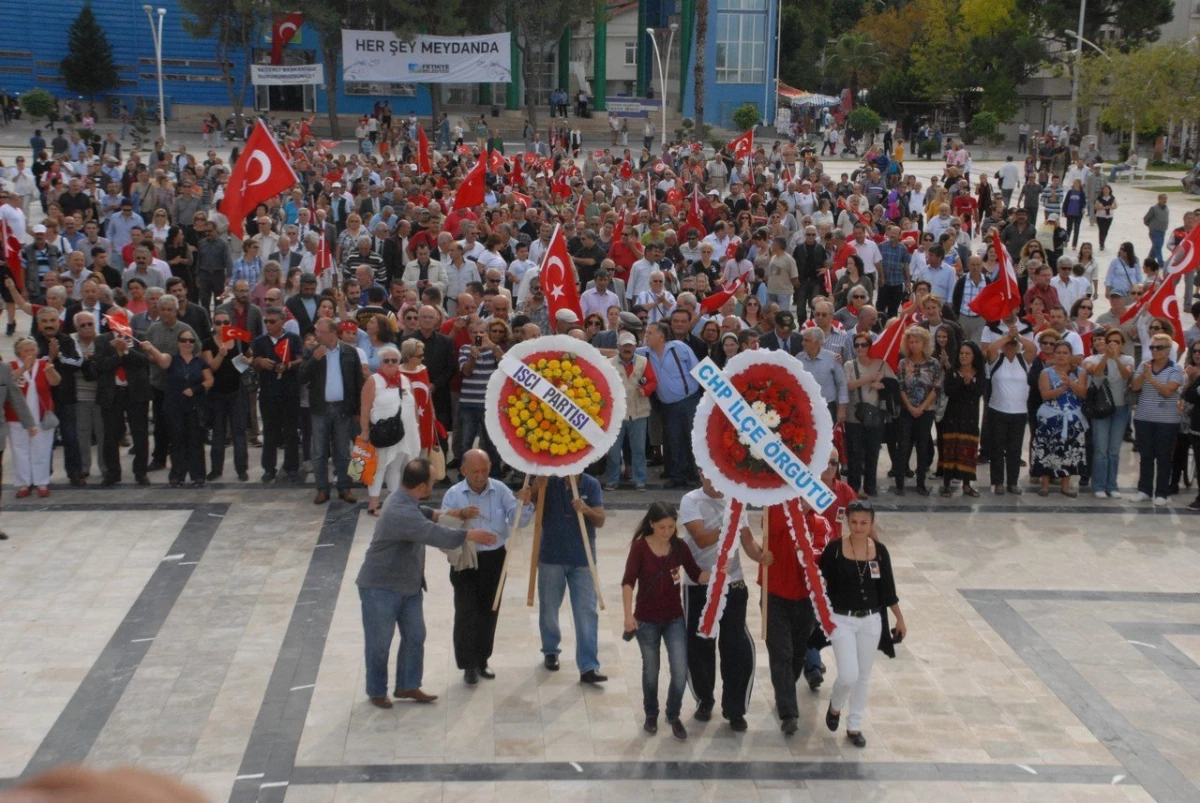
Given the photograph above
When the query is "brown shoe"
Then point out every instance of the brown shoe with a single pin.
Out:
(348, 497)
(381, 702)
(321, 498)
(416, 695)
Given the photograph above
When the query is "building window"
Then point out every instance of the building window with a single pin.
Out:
(741, 45)
(741, 5)
(631, 54)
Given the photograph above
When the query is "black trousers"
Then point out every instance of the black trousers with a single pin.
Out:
(117, 415)
(280, 417)
(187, 442)
(891, 296)
(229, 415)
(474, 619)
(789, 624)
(915, 433)
(162, 432)
(737, 652)
(1007, 435)
(862, 458)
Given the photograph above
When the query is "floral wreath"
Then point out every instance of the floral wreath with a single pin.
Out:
(529, 433)
(787, 400)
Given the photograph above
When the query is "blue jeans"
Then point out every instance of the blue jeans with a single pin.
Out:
(784, 300)
(382, 611)
(1106, 448)
(553, 581)
(678, 418)
(471, 425)
(339, 424)
(1156, 244)
(674, 635)
(635, 430)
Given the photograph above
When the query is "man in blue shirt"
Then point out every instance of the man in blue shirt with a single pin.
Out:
(475, 587)
(679, 394)
(333, 372)
(562, 564)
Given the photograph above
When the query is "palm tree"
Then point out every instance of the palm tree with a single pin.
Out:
(855, 58)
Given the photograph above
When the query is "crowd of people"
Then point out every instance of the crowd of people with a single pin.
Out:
(364, 304)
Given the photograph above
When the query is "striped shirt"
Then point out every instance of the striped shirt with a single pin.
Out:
(474, 387)
(1152, 406)
(895, 260)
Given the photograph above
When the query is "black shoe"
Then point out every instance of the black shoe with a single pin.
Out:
(678, 731)
(142, 479)
(922, 490)
(898, 491)
(471, 676)
(551, 662)
(269, 476)
(815, 679)
(704, 712)
(1015, 490)
(11, 329)
(788, 726)
(856, 739)
(832, 720)
(213, 475)
(737, 724)
(487, 674)
(243, 476)
(592, 676)
(109, 481)
(293, 477)
(650, 725)
(156, 465)
(198, 483)
(452, 464)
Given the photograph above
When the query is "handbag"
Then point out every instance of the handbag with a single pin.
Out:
(1098, 404)
(939, 407)
(867, 414)
(437, 463)
(49, 422)
(386, 431)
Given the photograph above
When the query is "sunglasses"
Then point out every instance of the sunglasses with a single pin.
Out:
(1159, 348)
(862, 345)
(859, 506)
(182, 339)
(271, 321)
(1155, 328)
(1135, 295)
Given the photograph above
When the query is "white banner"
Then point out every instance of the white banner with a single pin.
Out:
(533, 382)
(286, 74)
(382, 56)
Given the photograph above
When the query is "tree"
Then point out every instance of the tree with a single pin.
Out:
(234, 25)
(539, 27)
(855, 59)
(408, 18)
(328, 18)
(88, 68)
(38, 103)
(1132, 23)
(863, 121)
(746, 116)
(698, 70)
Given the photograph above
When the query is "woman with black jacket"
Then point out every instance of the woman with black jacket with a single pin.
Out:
(859, 580)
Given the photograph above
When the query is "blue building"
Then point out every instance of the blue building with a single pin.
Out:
(739, 60)
(191, 73)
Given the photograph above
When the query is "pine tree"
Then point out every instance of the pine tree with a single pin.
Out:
(88, 67)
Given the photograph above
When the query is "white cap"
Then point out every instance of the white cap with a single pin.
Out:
(626, 339)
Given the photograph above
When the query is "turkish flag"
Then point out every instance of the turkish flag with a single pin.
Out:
(423, 397)
(472, 190)
(496, 162)
(580, 212)
(530, 158)
(626, 170)
(557, 277)
(887, 347)
(717, 300)
(12, 254)
(306, 132)
(561, 187)
(695, 217)
(324, 260)
(233, 333)
(1184, 259)
(523, 199)
(659, 166)
(329, 144)
(863, 217)
(464, 150)
(283, 349)
(424, 158)
(282, 31)
(743, 146)
(261, 173)
(998, 299)
(1166, 305)
(119, 323)
(618, 227)
(518, 174)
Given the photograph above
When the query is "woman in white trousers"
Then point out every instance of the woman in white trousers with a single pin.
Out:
(32, 444)
(386, 394)
(858, 576)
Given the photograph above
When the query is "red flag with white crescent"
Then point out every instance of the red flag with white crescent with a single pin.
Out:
(717, 300)
(523, 199)
(119, 323)
(743, 146)
(695, 216)
(998, 299)
(324, 259)
(887, 347)
(283, 349)
(473, 188)
(557, 277)
(1166, 305)
(1184, 259)
(424, 156)
(262, 172)
(12, 254)
(282, 32)
(423, 397)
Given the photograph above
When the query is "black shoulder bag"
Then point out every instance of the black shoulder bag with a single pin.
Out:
(1098, 403)
(388, 431)
(868, 415)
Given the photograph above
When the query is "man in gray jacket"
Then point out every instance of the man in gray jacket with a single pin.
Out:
(391, 582)
(1157, 221)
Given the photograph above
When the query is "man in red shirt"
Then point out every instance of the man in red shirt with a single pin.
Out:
(625, 253)
(1040, 288)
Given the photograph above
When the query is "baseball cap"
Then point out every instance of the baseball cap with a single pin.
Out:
(39, 229)
(631, 322)
(566, 316)
(627, 339)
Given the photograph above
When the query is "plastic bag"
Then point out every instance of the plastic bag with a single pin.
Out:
(363, 462)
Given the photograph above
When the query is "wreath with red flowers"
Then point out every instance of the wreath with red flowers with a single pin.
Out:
(786, 399)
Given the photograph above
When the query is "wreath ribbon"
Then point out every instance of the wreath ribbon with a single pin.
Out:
(805, 553)
(718, 581)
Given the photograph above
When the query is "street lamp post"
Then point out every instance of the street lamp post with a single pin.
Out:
(1075, 71)
(662, 74)
(156, 34)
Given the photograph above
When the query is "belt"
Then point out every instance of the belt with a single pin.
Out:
(863, 614)
(738, 584)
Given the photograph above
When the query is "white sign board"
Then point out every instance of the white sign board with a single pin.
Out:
(287, 74)
(382, 56)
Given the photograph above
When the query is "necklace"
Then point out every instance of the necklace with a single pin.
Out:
(861, 568)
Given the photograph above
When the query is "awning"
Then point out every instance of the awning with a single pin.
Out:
(799, 97)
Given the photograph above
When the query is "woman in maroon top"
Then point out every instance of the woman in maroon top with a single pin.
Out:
(655, 559)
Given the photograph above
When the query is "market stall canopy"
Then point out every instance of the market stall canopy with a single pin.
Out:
(799, 97)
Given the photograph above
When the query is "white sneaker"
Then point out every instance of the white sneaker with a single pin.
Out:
(1139, 497)
(1114, 494)
(1160, 501)
(1100, 495)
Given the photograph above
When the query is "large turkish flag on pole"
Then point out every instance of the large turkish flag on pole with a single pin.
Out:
(473, 189)
(424, 158)
(261, 173)
(557, 277)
